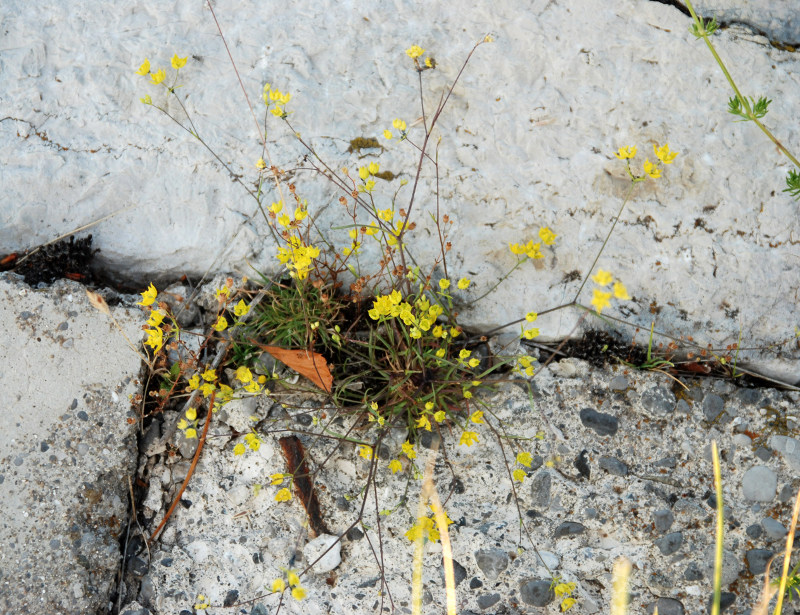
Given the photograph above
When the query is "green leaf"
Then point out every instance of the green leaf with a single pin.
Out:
(793, 184)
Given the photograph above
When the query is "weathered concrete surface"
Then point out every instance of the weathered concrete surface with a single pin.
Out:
(528, 141)
(777, 19)
(620, 468)
(66, 447)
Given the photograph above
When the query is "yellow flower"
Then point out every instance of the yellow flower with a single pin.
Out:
(276, 207)
(147, 100)
(276, 479)
(547, 236)
(399, 125)
(373, 168)
(469, 438)
(429, 62)
(182, 424)
(524, 458)
(191, 414)
(178, 63)
(155, 339)
(651, 169)
(363, 172)
(476, 417)
(439, 416)
(298, 593)
(395, 466)
(463, 284)
(414, 51)
(241, 308)
(600, 299)
(387, 134)
(278, 585)
(260, 164)
(365, 452)
(620, 292)
(444, 284)
(293, 579)
(531, 316)
(519, 474)
(464, 353)
(202, 603)
(284, 495)
(144, 68)
(408, 450)
(194, 382)
(603, 278)
(474, 362)
(148, 296)
(191, 433)
(663, 153)
(239, 449)
(529, 334)
(424, 423)
(468, 395)
(626, 152)
(440, 353)
(210, 375)
(221, 324)
(158, 76)
(156, 318)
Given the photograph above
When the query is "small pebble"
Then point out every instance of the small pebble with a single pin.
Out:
(666, 606)
(487, 600)
(569, 528)
(492, 562)
(618, 383)
(670, 543)
(614, 466)
(604, 424)
(773, 529)
(540, 489)
(662, 521)
(759, 484)
(713, 407)
(757, 560)
(536, 592)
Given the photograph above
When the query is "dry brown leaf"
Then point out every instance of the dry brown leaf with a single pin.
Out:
(312, 365)
(98, 302)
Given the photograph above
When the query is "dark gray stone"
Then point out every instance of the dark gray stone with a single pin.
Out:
(749, 396)
(757, 560)
(354, 534)
(787, 493)
(492, 562)
(754, 531)
(540, 489)
(725, 600)
(663, 520)
(487, 600)
(666, 606)
(231, 598)
(459, 572)
(693, 572)
(536, 592)
(660, 401)
(670, 543)
(604, 424)
(475, 583)
(713, 407)
(763, 453)
(614, 466)
(259, 609)
(569, 528)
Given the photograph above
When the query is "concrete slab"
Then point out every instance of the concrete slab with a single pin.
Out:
(67, 447)
(708, 251)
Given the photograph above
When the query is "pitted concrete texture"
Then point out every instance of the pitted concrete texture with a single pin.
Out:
(528, 139)
(66, 447)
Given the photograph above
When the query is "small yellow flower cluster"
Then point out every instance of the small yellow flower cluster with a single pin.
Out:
(602, 298)
(365, 173)
(391, 305)
(529, 334)
(650, 169)
(534, 250)
(279, 585)
(298, 257)
(525, 459)
(398, 125)
(563, 591)
(284, 494)
(155, 334)
(276, 97)
(157, 77)
(525, 365)
(184, 424)
(425, 527)
(415, 53)
(251, 440)
(202, 603)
